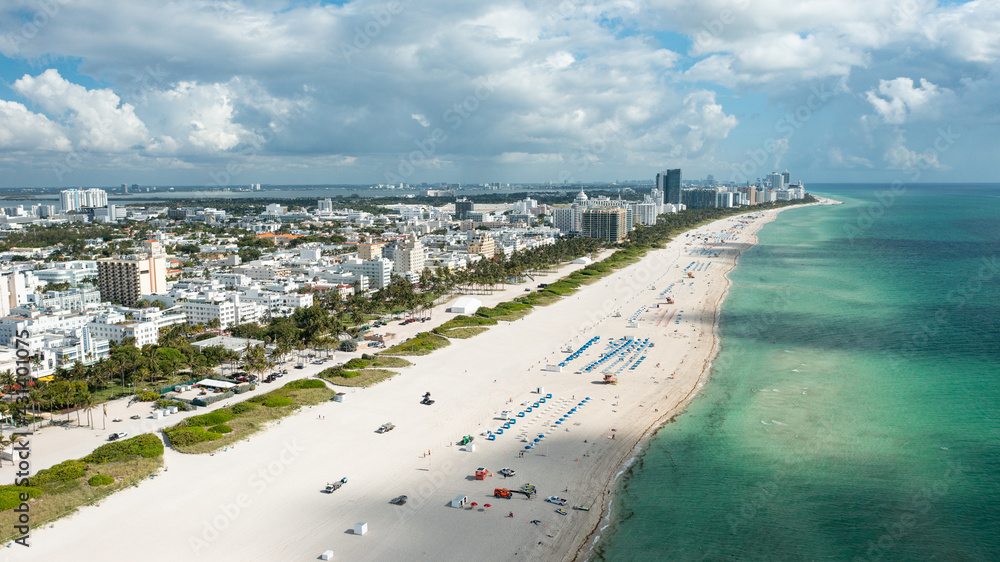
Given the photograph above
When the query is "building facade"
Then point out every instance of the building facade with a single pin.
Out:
(605, 223)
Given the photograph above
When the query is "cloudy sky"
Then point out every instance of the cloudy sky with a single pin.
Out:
(231, 92)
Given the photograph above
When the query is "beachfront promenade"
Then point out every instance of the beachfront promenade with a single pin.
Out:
(262, 500)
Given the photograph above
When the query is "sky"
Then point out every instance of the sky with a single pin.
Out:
(234, 92)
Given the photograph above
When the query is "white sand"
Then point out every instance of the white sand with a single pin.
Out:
(261, 499)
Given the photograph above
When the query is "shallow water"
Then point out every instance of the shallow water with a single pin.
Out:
(854, 410)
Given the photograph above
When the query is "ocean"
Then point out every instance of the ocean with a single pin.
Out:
(853, 412)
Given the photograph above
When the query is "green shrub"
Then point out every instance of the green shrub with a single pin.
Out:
(146, 445)
(278, 401)
(211, 418)
(348, 346)
(221, 428)
(148, 396)
(100, 480)
(10, 496)
(257, 399)
(356, 363)
(305, 383)
(62, 472)
(186, 436)
(243, 407)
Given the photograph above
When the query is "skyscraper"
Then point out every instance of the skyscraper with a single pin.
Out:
(669, 183)
(605, 223)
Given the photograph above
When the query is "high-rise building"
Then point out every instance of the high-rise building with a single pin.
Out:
(326, 206)
(128, 279)
(604, 223)
(700, 198)
(72, 199)
(669, 182)
(408, 258)
(777, 181)
(462, 209)
(787, 178)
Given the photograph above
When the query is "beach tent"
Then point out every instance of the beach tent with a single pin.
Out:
(466, 305)
(460, 501)
(360, 528)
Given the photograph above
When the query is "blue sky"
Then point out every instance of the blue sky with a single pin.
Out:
(104, 92)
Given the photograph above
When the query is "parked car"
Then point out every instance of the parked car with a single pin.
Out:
(556, 500)
(117, 436)
(398, 500)
(506, 472)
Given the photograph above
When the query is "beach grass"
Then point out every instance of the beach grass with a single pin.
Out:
(464, 327)
(244, 418)
(420, 344)
(462, 333)
(65, 487)
(361, 378)
(389, 362)
(506, 311)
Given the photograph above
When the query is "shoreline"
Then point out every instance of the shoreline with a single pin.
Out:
(582, 551)
(285, 517)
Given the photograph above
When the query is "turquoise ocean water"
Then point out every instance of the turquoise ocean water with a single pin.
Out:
(854, 410)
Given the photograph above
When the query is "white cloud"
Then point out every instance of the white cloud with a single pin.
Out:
(899, 100)
(21, 129)
(98, 120)
(420, 118)
(898, 157)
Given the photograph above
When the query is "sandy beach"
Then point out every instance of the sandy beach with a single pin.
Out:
(263, 499)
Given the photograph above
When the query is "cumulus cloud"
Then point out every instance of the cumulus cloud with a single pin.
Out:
(898, 100)
(588, 87)
(97, 119)
(21, 130)
(898, 157)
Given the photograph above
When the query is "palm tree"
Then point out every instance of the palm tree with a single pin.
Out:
(89, 403)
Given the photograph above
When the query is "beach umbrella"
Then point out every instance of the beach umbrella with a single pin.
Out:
(527, 447)
(474, 504)
(486, 505)
(536, 441)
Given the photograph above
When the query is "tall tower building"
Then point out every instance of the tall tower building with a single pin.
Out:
(462, 208)
(669, 183)
(787, 178)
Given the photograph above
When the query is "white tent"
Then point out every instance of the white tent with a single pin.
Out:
(466, 305)
(584, 261)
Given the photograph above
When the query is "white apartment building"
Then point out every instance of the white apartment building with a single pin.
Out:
(378, 271)
(203, 312)
(408, 258)
(115, 326)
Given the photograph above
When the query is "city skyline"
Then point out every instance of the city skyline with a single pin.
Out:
(306, 93)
